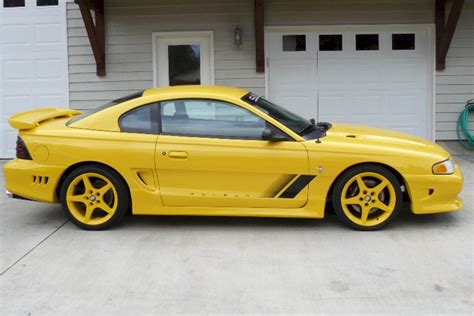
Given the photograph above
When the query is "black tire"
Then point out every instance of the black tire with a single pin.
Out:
(123, 195)
(350, 174)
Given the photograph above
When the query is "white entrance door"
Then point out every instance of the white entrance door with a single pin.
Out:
(183, 58)
(33, 61)
(377, 76)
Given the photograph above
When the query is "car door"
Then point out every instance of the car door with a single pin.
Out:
(211, 153)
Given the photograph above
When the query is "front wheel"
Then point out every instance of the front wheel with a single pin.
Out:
(94, 197)
(367, 197)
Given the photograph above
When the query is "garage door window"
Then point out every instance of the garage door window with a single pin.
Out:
(405, 41)
(367, 42)
(331, 42)
(42, 3)
(294, 43)
(13, 3)
(208, 118)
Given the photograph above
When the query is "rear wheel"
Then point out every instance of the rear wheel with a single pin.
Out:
(367, 197)
(94, 197)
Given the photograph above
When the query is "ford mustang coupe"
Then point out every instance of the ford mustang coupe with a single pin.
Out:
(196, 150)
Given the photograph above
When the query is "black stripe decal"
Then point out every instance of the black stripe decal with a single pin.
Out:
(284, 184)
(296, 187)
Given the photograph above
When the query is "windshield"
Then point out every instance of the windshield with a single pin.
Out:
(106, 106)
(291, 120)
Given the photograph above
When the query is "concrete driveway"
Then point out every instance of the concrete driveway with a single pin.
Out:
(170, 265)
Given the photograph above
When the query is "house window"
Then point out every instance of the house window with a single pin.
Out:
(403, 41)
(367, 42)
(184, 63)
(13, 3)
(331, 42)
(294, 43)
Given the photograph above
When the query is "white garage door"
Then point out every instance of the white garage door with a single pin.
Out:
(378, 76)
(33, 61)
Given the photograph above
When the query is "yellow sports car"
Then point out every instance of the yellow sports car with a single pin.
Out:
(196, 150)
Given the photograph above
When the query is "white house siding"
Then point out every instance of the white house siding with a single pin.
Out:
(455, 85)
(129, 27)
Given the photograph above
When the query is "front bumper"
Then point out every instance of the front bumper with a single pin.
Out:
(29, 180)
(435, 193)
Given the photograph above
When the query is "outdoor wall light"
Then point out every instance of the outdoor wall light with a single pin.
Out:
(237, 36)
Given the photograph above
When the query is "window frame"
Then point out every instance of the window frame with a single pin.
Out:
(267, 123)
(155, 113)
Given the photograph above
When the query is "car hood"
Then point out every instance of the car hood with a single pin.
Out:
(380, 141)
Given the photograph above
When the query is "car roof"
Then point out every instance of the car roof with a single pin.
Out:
(197, 89)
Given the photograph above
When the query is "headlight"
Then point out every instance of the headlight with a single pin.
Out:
(444, 167)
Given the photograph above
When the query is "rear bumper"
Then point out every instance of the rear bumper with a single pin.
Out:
(29, 180)
(435, 193)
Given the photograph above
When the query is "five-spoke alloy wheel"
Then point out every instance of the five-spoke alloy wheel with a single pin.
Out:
(367, 197)
(94, 197)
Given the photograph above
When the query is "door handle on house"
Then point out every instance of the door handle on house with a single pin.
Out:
(178, 154)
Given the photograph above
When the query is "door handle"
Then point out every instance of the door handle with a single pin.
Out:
(178, 154)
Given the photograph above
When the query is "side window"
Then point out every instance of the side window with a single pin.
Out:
(140, 120)
(209, 118)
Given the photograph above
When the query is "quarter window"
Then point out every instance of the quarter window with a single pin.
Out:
(403, 41)
(367, 42)
(13, 3)
(141, 120)
(210, 118)
(294, 43)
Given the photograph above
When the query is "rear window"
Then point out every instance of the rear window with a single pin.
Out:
(107, 105)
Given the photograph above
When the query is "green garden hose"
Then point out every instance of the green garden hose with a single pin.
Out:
(466, 137)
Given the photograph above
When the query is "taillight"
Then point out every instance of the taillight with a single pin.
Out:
(21, 150)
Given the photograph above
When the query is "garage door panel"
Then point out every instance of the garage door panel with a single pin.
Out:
(291, 85)
(14, 104)
(33, 64)
(388, 87)
(411, 71)
(14, 70)
(380, 89)
(404, 104)
(49, 69)
(47, 33)
(15, 35)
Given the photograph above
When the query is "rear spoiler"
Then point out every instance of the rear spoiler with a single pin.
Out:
(31, 119)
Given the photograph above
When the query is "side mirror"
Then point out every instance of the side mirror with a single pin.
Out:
(272, 135)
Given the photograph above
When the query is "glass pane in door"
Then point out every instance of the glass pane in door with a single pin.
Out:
(184, 65)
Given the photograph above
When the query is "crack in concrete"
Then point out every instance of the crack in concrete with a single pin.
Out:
(32, 249)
